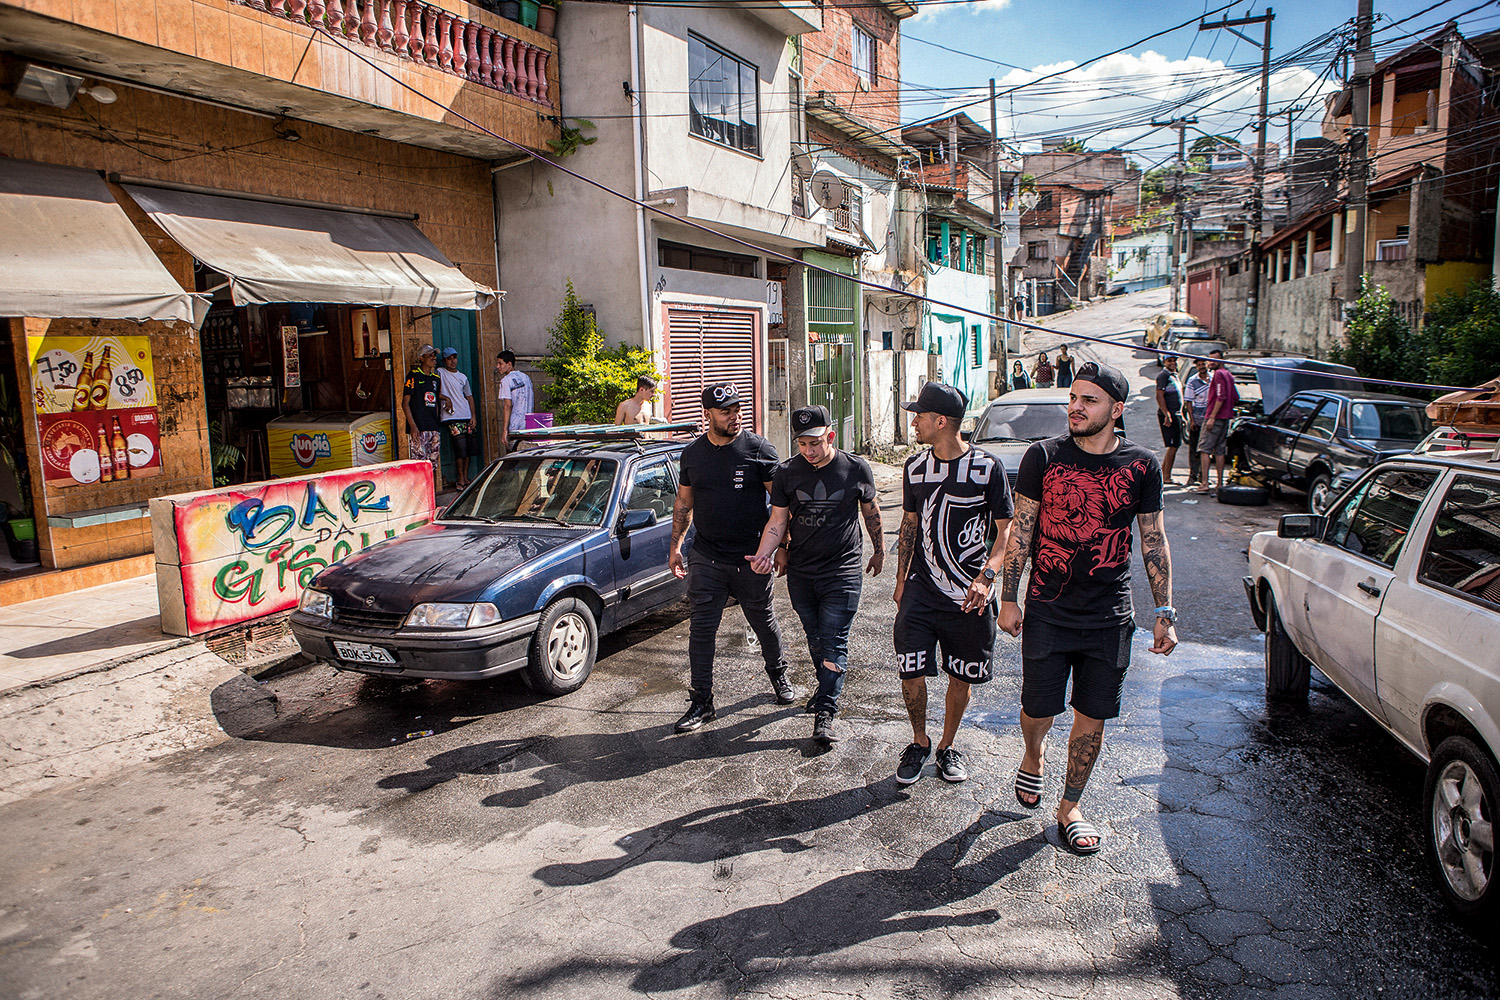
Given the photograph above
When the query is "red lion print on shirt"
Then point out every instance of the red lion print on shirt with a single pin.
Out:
(1080, 526)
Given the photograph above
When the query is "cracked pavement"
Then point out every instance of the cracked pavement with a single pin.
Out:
(320, 847)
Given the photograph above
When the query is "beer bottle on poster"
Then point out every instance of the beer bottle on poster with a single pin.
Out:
(364, 334)
(99, 393)
(121, 452)
(85, 383)
(106, 464)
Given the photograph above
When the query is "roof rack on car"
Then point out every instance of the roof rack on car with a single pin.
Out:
(1476, 409)
(637, 433)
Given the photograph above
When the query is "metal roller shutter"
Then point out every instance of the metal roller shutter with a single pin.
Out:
(707, 346)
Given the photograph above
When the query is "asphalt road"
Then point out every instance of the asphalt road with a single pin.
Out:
(358, 839)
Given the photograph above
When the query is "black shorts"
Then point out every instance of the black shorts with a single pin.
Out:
(1171, 429)
(1096, 657)
(967, 638)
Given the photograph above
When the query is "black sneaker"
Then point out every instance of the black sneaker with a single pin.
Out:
(808, 709)
(912, 759)
(825, 730)
(698, 713)
(950, 765)
(781, 683)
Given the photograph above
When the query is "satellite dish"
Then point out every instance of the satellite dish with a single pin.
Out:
(802, 164)
(827, 189)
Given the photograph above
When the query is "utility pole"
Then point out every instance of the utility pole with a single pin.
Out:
(1180, 124)
(1258, 195)
(997, 259)
(1359, 150)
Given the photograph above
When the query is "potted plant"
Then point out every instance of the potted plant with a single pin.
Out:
(546, 17)
(528, 13)
(20, 527)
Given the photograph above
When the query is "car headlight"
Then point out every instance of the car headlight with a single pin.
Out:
(316, 603)
(452, 615)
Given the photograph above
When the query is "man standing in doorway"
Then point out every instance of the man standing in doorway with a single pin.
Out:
(637, 409)
(1214, 439)
(419, 402)
(516, 398)
(820, 494)
(1169, 415)
(1076, 496)
(724, 477)
(1196, 391)
(458, 414)
(954, 500)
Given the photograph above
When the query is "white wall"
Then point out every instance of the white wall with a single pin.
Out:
(966, 297)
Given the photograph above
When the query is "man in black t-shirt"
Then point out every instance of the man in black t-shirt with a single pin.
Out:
(725, 475)
(820, 494)
(1169, 414)
(1076, 496)
(956, 512)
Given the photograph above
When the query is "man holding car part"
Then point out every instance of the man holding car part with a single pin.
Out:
(1076, 496)
(819, 496)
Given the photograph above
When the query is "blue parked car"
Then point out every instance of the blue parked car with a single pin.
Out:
(541, 555)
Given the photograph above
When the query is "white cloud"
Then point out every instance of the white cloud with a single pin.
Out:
(927, 12)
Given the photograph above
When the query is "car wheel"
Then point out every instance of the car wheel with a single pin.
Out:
(1462, 791)
(562, 648)
(1288, 672)
(1319, 492)
(1244, 496)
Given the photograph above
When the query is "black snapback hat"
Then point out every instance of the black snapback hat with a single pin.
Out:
(944, 400)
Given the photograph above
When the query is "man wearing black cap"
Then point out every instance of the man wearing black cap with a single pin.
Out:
(725, 475)
(820, 494)
(956, 511)
(1076, 495)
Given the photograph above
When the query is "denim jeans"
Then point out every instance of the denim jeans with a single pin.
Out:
(826, 606)
(710, 585)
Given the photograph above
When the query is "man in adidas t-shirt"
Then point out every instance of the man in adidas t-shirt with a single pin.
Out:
(956, 517)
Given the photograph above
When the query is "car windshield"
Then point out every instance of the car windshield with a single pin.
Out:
(1023, 422)
(1394, 421)
(558, 489)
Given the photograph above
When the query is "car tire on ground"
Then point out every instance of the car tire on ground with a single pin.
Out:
(1288, 672)
(1462, 792)
(562, 648)
(1319, 492)
(1244, 496)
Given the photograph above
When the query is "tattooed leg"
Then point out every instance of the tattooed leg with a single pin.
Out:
(914, 692)
(1083, 750)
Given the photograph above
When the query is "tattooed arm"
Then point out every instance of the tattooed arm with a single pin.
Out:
(870, 511)
(906, 544)
(762, 561)
(1016, 554)
(1158, 559)
(980, 589)
(682, 516)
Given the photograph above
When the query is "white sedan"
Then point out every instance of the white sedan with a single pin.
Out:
(1394, 595)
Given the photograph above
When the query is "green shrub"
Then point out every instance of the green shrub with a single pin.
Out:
(1462, 336)
(1378, 343)
(588, 379)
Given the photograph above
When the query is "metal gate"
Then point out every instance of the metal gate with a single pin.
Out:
(705, 346)
(833, 357)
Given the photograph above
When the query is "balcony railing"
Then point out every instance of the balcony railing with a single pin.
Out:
(426, 34)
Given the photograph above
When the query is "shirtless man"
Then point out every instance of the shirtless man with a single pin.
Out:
(637, 409)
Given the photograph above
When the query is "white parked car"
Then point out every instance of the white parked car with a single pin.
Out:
(1394, 595)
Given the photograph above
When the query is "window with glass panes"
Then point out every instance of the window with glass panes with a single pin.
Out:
(864, 56)
(723, 97)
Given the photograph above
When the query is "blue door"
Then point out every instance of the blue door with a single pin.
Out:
(455, 328)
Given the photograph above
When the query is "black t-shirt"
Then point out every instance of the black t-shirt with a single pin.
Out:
(824, 508)
(729, 493)
(957, 504)
(423, 390)
(1080, 551)
(1171, 390)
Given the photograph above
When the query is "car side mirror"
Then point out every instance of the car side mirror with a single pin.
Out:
(635, 520)
(1301, 526)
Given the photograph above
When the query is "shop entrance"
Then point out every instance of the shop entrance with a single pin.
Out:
(455, 328)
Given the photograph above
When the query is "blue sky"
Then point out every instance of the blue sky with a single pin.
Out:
(1106, 100)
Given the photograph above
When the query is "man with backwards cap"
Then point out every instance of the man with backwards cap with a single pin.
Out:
(956, 511)
(820, 494)
(725, 475)
(1076, 495)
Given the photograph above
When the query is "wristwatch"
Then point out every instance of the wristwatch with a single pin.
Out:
(1167, 613)
(989, 574)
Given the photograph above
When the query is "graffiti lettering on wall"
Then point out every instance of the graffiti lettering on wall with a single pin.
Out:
(249, 552)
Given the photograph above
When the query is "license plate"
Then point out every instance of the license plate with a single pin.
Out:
(361, 652)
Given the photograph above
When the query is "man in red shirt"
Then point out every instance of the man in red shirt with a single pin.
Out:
(1214, 438)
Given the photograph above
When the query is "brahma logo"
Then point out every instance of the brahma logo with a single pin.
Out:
(372, 442)
(308, 448)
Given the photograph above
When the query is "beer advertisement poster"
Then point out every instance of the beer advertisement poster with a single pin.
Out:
(364, 325)
(95, 400)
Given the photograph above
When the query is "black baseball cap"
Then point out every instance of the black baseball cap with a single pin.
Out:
(944, 400)
(721, 396)
(1107, 378)
(811, 421)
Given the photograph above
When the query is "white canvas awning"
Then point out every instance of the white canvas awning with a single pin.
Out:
(274, 252)
(67, 249)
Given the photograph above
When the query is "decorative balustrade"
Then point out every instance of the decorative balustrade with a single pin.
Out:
(430, 36)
